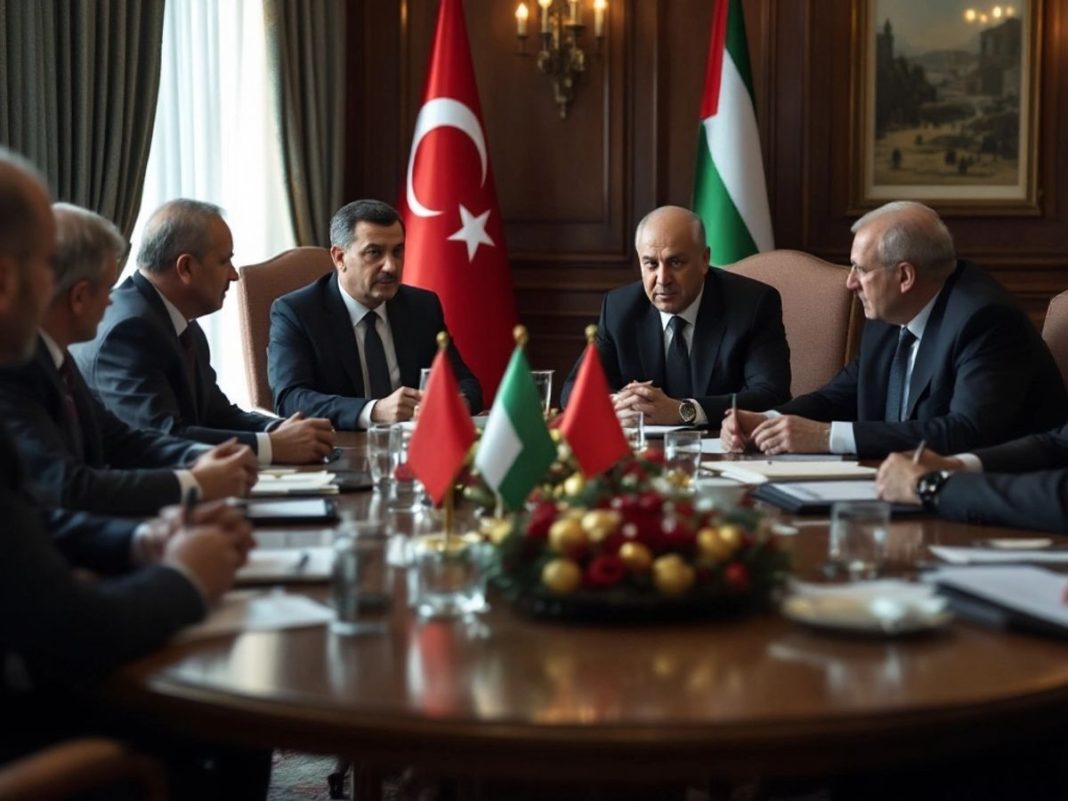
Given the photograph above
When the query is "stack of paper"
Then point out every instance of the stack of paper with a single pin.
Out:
(989, 556)
(295, 483)
(757, 472)
(277, 565)
(1007, 596)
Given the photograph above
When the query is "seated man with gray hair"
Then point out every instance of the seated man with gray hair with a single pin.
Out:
(150, 362)
(947, 356)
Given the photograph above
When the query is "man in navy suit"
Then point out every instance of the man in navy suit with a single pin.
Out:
(679, 343)
(78, 454)
(349, 346)
(150, 363)
(1022, 483)
(947, 356)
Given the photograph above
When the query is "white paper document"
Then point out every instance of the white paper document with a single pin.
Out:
(280, 565)
(829, 491)
(1029, 591)
(258, 610)
(757, 472)
(304, 483)
(657, 432)
(989, 556)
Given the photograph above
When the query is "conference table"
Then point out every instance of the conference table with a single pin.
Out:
(507, 696)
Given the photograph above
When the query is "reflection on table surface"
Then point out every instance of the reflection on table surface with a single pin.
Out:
(503, 693)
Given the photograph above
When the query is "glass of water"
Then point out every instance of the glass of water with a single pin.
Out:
(362, 580)
(378, 456)
(633, 424)
(858, 537)
(406, 493)
(447, 575)
(682, 450)
(543, 382)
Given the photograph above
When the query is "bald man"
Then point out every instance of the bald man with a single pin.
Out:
(947, 356)
(678, 343)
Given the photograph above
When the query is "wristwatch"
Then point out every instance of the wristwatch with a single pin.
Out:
(687, 411)
(929, 485)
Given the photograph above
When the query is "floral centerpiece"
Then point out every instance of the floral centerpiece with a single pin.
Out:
(630, 545)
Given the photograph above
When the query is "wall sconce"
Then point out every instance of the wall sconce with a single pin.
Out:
(561, 29)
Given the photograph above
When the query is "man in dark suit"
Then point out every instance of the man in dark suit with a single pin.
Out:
(350, 345)
(150, 363)
(58, 629)
(78, 455)
(947, 356)
(677, 344)
(1022, 483)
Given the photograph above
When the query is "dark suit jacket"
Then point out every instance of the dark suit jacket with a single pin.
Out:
(123, 472)
(739, 345)
(100, 543)
(313, 364)
(67, 628)
(982, 375)
(1027, 500)
(136, 367)
(1046, 451)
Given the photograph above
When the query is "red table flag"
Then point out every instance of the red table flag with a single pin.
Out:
(590, 425)
(443, 433)
(454, 236)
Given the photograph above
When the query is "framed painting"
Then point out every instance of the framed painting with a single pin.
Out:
(945, 105)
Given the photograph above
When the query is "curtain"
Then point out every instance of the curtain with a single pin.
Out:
(306, 52)
(78, 87)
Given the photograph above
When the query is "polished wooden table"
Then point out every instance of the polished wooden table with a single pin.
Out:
(507, 696)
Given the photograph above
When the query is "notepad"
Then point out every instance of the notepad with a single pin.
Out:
(283, 565)
(302, 510)
(1026, 597)
(299, 483)
(257, 610)
(758, 472)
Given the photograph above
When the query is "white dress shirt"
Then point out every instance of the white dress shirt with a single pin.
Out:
(359, 320)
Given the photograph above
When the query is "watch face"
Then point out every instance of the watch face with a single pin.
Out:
(687, 411)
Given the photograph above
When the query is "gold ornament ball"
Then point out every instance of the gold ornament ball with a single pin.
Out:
(672, 575)
(637, 557)
(495, 529)
(574, 484)
(561, 576)
(600, 523)
(566, 536)
(711, 546)
(731, 537)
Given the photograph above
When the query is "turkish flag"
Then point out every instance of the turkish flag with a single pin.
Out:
(455, 237)
(443, 433)
(589, 423)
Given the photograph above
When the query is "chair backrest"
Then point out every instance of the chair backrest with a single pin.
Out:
(822, 318)
(260, 284)
(1055, 331)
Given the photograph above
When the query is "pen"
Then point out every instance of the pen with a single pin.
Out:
(302, 563)
(919, 451)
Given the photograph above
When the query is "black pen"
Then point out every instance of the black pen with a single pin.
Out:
(302, 563)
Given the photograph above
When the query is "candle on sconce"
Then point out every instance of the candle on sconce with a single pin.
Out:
(545, 28)
(521, 14)
(599, 7)
(574, 18)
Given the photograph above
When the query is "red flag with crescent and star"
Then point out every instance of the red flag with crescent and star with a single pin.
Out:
(454, 233)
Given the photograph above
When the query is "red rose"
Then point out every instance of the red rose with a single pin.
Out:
(606, 570)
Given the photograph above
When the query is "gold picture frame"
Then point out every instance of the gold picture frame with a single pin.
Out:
(945, 105)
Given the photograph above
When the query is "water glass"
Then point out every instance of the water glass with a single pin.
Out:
(543, 382)
(362, 580)
(633, 424)
(858, 537)
(682, 450)
(447, 576)
(406, 492)
(378, 455)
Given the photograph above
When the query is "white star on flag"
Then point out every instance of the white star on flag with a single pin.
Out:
(472, 231)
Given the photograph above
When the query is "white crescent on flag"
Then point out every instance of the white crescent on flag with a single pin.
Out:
(443, 112)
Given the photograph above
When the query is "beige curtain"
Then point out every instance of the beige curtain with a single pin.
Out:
(306, 52)
(78, 87)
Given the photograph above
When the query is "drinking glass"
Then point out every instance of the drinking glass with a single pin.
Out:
(633, 424)
(858, 537)
(405, 490)
(378, 455)
(682, 450)
(362, 580)
(543, 382)
(447, 576)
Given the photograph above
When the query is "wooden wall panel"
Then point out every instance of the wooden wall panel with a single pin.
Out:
(571, 191)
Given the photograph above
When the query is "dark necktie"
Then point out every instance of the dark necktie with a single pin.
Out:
(896, 385)
(375, 358)
(678, 384)
(70, 407)
(189, 357)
